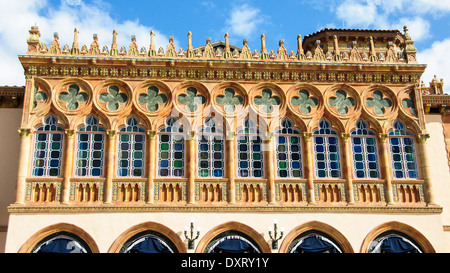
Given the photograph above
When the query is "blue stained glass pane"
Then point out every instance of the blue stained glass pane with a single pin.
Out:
(138, 163)
(360, 174)
(96, 172)
(334, 165)
(370, 149)
(357, 149)
(321, 165)
(256, 148)
(296, 165)
(243, 147)
(218, 173)
(178, 146)
(164, 163)
(281, 140)
(320, 149)
(398, 174)
(359, 165)
(394, 141)
(243, 164)
(332, 140)
(319, 140)
(332, 149)
(321, 173)
(412, 174)
(257, 164)
(203, 147)
(257, 173)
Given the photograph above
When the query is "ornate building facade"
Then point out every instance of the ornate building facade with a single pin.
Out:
(336, 142)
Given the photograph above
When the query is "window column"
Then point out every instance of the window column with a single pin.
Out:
(151, 163)
(191, 167)
(68, 164)
(348, 168)
(230, 158)
(385, 168)
(110, 168)
(24, 162)
(309, 166)
(270, 160)
(425, 168)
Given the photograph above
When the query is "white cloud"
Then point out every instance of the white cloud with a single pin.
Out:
(435, 58)
(244, 20)
(88, 18)
(358, 14)
(418, 27)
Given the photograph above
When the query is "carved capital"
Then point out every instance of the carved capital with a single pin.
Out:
(24, 132)
(382, 137)
(422, 138)
(111, 133)
(151, 133)
(345, 137)
(230, 135)
(69, 132)
(307, 136)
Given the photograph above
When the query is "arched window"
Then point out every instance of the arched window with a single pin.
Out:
(403, 154)
(131, 147)
(171, 149)
(232, 242)
(149, 242)
(210, 150)
(90, 149)
(289, 153)
(314, 242)
(394, 242)
(326, 151)
(48, 147)
(62, 242)
(249, 149)
(364, 150)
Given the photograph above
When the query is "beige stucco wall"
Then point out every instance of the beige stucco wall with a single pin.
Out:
(106, 227)
(10, 120)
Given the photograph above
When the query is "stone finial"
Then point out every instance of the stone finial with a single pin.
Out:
(33, 40)
(152, 50)
(190, 48)
(133, 49)
(300, 52)
(95, 46)
(410, 50)
(227, 54)
(114, 50)
(171, 50)
(264, 54)
(246, 53)
(282, 52)
(337, 52)
(373, 55)
(55, 47)
(436, 86)
(75, 46)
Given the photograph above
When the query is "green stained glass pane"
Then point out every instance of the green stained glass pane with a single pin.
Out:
(296, 173)
(282, 165)
(321, 173)
(409, 157)
(256, 156)
(294, 140)
(124, 138)
(370, 141)
(164, 146)
(164, 155)
(124, 154)
(204, 173)
(217, 147)
(281, 148)
(41, 145)
(97, 154)
(137, 172)
(138, 155)
(82, 163)
(39, 163)
(333, 157)
(243, 156)
(177, 163)
(204, 155)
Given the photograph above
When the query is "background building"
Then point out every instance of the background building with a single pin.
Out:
(128, 150)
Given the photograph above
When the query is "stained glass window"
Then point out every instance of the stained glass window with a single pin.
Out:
(131, 148)
(403, 154)
(210, 150)
(48, 146)
(171, 149)
(289, 152)
(249, 150)
(90, 149)
(364, 151)
(326, 151)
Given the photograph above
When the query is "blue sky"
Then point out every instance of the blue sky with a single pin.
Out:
(427, 20)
